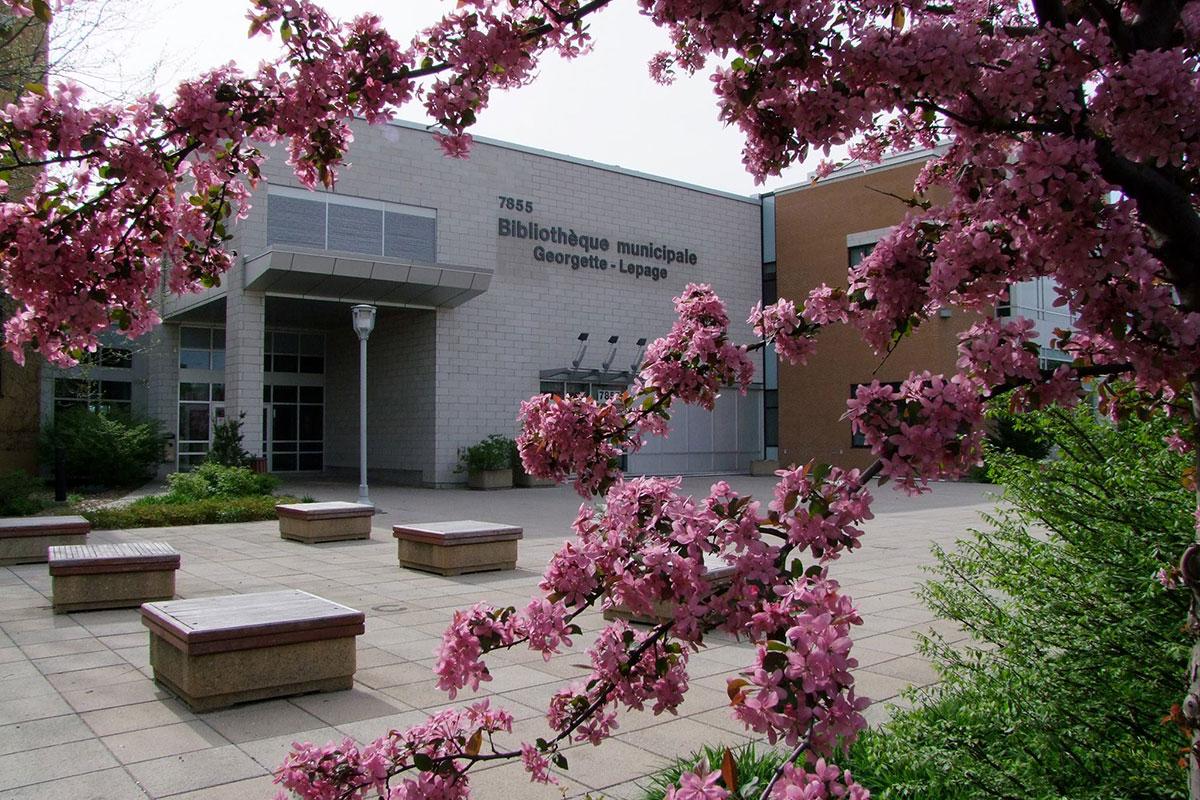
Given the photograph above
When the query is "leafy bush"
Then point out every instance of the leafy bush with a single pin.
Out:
(226, 448)
(1077, 653)
(753, 768)
(1011, 433)
(494, 452)
(20, 494)
(214, 480)
(103, 450)
(152, 512)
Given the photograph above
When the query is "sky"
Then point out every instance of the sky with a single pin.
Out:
(601, 107)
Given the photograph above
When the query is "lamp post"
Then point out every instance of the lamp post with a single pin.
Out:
(363, 317)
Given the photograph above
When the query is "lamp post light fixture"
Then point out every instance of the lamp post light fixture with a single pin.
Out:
(363, 317)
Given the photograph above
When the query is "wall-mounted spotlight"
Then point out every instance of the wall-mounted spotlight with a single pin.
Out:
(637, 362)
(583, 337)
(612, 353)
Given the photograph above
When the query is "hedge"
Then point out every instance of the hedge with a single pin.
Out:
(198, 512)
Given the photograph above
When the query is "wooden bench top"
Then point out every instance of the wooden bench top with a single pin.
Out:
(331, 510)
(42, 526)
(462, 531)
(81, 559)
(247, 621)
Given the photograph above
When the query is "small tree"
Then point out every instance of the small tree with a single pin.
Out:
(226, 448)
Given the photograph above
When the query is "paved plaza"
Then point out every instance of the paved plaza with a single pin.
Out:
(80, 716)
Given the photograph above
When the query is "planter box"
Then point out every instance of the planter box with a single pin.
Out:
(452, 548)
(311, 523)
(94, 576)
(213, 652)
(527, 481)
(490, 479)
(763, 467)
(26, 540)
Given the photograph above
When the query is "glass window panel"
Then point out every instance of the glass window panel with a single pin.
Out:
(267, 342)
(73, 388)
(311, 447)
(577, 388)
(116, 390)
(193, 391)
(218, 339)
(193, 421)
(282, 462)
(550, 387)
(287, 343)
(195, 338)
(218, 359)
(116, 357)
(312, 394)
(311, 418)
(218, 391)
(310, 461)
(410, 237)
(285, 364)
(193, 359)
(291, 220)
(266, 393)
(267, 362)
(312, 344)
(312, 365)
(283, 424)
(283, 394)
(355, 230)
(859, 252)
(116, 409)
(70, 405)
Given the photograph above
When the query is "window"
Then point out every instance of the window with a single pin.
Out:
(856, 438)
(118, 357)
(202, 348)
(326, 221)
(294, 433)
(856, 253)
(201, 405)
(302, 353)
(109, 397)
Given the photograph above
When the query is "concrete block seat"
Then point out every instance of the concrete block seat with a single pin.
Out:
(716, 571)
(25, 540)
(311, 523)
(214, 652)
(91, 576)
(453, 548)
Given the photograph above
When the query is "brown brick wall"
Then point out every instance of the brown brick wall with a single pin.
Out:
(811, 227)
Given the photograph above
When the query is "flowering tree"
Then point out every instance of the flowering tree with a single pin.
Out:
(1070, 147)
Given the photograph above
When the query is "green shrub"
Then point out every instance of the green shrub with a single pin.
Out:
(153, 512)
(103, 450)
(753, 767)
(1077, 652)
(215, 480)
(20, 494)
(494, 452)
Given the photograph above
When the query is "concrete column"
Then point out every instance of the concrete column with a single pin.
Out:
(245, 324)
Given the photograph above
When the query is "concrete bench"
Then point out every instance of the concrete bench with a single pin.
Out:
(452, 548)
(311, 523)
(91, 576)
(716, 570)
(214, 652)
(25, 540)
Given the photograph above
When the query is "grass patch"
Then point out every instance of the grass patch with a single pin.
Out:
(754, 768)
(163, 510)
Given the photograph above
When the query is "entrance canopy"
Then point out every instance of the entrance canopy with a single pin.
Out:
(355, 278)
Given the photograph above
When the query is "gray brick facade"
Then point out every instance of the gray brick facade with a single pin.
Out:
(444, 378)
